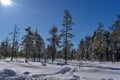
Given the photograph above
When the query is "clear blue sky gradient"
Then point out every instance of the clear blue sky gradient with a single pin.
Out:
(42, 14)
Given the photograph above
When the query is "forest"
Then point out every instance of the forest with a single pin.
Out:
(103, 45)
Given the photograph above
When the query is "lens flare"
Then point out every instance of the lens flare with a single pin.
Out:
(5, 2)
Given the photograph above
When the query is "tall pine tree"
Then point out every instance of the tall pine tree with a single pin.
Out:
(65, 32)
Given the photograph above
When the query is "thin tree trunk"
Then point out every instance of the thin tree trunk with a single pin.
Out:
(39, 56)
(53, 51)
(14, 35)
(66, 47)
(34, 56)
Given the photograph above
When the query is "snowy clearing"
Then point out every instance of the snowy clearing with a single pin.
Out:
(19, 70)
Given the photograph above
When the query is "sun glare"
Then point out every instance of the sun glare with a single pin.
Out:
(5, 2)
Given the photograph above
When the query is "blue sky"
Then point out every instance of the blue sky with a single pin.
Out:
(42, 14)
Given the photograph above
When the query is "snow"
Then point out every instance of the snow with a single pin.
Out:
(89, 70)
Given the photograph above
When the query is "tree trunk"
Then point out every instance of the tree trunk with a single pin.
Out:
(14, 36)
(39, 56)
(34, 56)
(53, 53)
(66, 45)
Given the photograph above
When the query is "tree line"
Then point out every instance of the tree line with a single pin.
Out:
(103, 45)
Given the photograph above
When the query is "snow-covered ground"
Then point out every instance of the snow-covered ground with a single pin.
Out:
(19, 70)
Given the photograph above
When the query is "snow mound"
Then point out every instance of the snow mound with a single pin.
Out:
(67, 70)
(64, 70)
(74, 70)
(7, 73)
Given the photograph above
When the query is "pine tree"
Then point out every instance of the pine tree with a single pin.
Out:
(87, 47)
(38, 45)
(28, 43)
(106, 44)
(54, 40)
(5, 48)
(65, 32)
(15, 45)
(97, 44)
(81, 50)
(73, 54)
(49, 51)
(115, 40)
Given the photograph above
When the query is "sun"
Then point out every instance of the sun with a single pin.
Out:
(5, 2)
